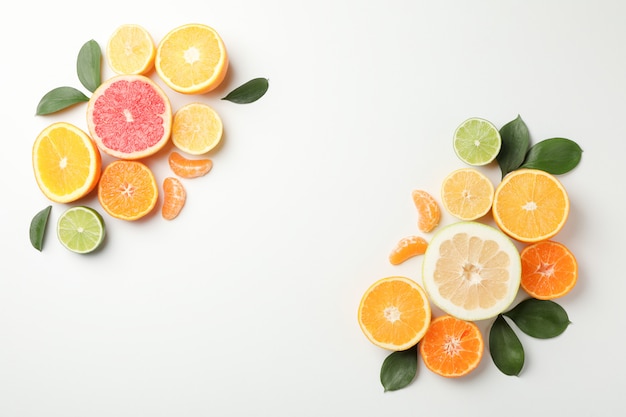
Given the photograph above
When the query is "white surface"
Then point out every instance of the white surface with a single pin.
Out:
(246, 304)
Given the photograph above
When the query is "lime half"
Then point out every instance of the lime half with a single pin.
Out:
(81, 229)
(477, 141)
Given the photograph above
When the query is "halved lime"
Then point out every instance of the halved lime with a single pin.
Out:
(81, 229)
(477, 141)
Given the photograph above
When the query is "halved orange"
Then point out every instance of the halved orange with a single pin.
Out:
(428, 210)
(467, 194)
(131, 50)
(452, 347)
(549, 270)
(127, 190)
(530, 205)
(394, 313)
(66, 162)
(192, 59)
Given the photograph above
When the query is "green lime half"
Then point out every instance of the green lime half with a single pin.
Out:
(81, 229)
(477, 141)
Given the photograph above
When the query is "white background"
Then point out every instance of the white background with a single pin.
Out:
(245, 305)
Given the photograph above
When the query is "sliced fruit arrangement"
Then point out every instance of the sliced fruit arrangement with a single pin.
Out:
(474, 271)
(130, 118)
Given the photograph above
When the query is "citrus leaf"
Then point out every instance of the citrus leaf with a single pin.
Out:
(399, 369)
(248, 92)
(555, 156)
(88, 65)
(38, 228)
(58, 99)
(542, 319)
(515, 144)
(505, 347)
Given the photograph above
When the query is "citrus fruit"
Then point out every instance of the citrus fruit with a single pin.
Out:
(549, 270)
(81, 229)
(406, 248)
(66, 162)
(189, 168)
(428, 210)
(477, 141)
(471, 270)
(530, 205)
(196, 128)
(131, 50)
(467, 194)
(127, 190)
(192, 59)
(129, 117)
(394, 313)
(174, 197)
(452, 347)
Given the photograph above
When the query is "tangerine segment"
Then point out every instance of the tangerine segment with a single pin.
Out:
(394, 313)
(127, 190)
(467, 194)
(174, 197)
(131, 50)
(428, 210)
(189, 168)
(452, 347)
(66, 162)
(530, 205)
(192, 59)
(129, 117)
(549, 270)
(406, 248)
(471, 270)
(196, 128)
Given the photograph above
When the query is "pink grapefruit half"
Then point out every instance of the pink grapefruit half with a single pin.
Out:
(129, 117)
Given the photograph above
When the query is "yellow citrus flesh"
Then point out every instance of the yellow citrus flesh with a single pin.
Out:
(471, 271)
(394, 313)
(131, 50)
(66, 162)
(196, 129)
(192, 59)
(530, 205)
(467, 194)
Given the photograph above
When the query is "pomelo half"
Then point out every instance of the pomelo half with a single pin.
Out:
(129, 117)
(471, 270)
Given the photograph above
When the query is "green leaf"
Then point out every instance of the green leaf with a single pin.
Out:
(505, 347)
(542, 319)
(399, 369)
(38, 228)
(248, 92)
(555, 155)
(59, 99)
(515, 144)
(89, 65)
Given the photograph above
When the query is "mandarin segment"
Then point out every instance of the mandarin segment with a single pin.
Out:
(174, 197)
(452, 347)
(192, 59)
(189, 168)
(549, 270)
(428, 210)
(127, 190)
(530, 205)
(406, 248)
(394, 313)
(66, 162)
